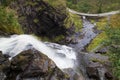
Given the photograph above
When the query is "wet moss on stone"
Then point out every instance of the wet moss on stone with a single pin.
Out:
(73, 20)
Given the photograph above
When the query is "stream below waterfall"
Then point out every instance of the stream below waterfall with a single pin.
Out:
(85, 36)
(60, 54)
(64, 57)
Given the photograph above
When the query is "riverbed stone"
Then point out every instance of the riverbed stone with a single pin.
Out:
(103, 50)
(41, 18)
(32, 64)
(95, 66)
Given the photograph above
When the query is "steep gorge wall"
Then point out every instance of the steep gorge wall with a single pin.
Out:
(41, 17)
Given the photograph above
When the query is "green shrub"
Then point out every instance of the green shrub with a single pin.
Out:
(73, 19)
(97, 42)
(114, 42)
(94, 6)
(8, 22)
(5, 2)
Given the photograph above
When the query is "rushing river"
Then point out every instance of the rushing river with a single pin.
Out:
(63, 56)
(60, 54)
(85, 36)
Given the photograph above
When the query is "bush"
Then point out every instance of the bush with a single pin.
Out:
(73, 19)
(8, 22)
(94, 6)
(114, 42)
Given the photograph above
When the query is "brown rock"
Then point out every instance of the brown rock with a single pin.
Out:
(40, 17)
(31, 64)
(109, 76)
(92, 72)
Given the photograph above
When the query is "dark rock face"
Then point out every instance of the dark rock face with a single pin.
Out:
(40, 18)
(103, 50)
(31, 64)
(4, 62)
(95, 66)
(4, 65)
(74, 75)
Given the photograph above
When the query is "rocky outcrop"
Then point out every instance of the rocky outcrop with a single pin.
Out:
(4, 65)
(41, 18)
(95, 66)
(29, 65)
(103, 50)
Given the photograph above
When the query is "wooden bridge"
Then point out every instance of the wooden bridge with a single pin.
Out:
(94, 15)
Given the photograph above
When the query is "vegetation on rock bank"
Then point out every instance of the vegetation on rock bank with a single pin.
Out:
(9, 22)
(94, 6)
(50, 19)
(110, 36)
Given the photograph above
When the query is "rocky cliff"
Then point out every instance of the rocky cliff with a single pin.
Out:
(28, 65)
(42, 17)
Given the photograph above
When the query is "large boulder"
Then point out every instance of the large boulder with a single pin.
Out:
(95, 66)
(32, 64)
(4, 65)
(42, 17)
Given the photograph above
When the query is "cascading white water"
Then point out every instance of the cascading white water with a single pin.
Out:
(63, 56)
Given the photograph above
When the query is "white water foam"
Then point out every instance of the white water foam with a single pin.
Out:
(63, 56)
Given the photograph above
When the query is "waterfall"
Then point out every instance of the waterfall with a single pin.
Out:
(63, 56)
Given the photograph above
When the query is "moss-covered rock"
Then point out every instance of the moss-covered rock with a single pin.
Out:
(8, 22)
(42, 17)
(97, 42)
(74, 20)
(4, 65)
(4, 62)
(32, 64)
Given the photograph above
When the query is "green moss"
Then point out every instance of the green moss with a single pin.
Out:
(115, 21)
(59, 5)
(58, 38)
(97, 42)
(8, 22)
(35, 20)
(102, 24)
(97, 60)
(73, 19)
(68, 21)
(39, 8)
(56, 3)
(67, 76)
(31, 3)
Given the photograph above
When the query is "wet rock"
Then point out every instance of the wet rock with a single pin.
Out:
(3, 33)
(73, 74)
(61, 55)
(4, 62)
(109, 76)
(32, 64)
(71, 40)
(68, 39)
(94, 66)
(92, 72)
(103, 50)
(4, 65)
(41, 18)
(2, 76)
(74, 41)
